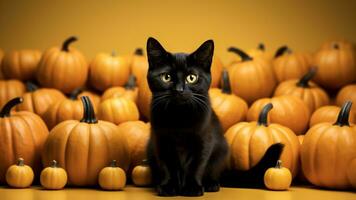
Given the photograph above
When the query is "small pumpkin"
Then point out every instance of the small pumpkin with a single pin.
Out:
(38, 100)
(249, 141)
(351, 173)
(278, 178)
(85, 139)
(118, 110)
(137, 134)
(141, 175)
(53, 177)
(139, 65)
(309, 92)
(289, 111)
(243, 77)
(10, 89)
(347, 93)
(22, 134)
(63, 68)
(144, 99)
(130, 91)
(328, 114)
(336, 64)
(108, 70)
(112, 178)
(290, 65)
(21, 65)
(327, 151)
(229, 108)
(19, 175)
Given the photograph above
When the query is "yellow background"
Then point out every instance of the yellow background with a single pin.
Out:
(180, 25)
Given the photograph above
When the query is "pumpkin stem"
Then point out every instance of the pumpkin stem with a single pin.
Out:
(225, 82)
(261, 47)
(336, 46)
(279, 164)
(54, 164)
(5, 111)
(31, 87)
(304, 81)
(131, 83)
(281, 50)
(74, 94)
(67, 42)
(244, 56)
(89, 114)
(113, 53)
(262, 118)
(113, 163)
(20, 162)
(139, 52)
(343, 118)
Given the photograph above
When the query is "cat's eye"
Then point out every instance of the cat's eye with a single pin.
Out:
(191, 78)
(165, 77)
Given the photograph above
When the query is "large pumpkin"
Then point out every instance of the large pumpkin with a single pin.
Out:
(63, 68)
(347, 93)
(249, 141)
(85, 147)
(289, 111)
(229, 108)
(10, 89)
(130, 91)
(252, 78)
(336, 64)
(21, 64)
(39, 100)
(118, 110)
(309, 92)
(328, 149)
(22, 134)
(139, 65)
(290, 65)
(328, 114)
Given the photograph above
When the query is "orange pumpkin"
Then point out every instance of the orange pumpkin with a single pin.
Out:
(328, 114)
(108, 70)
(229, 108)
(141, 175)
(10, 89)
(85, 139)
(112, 177)
(118, 110)
(289, 111)
(53, 177)
(327, 151)
(243, 77)
(19, 175)
(39, 100)
(347, 93)
(21, 64)
(130, 91)
(216, 70)
(278, 178)
(63, 68)
(290, 65)
(309, 92)
(137, 134)
(336, 64)
(139, 65)
(144, 99)
(22, 134)
(249, 141)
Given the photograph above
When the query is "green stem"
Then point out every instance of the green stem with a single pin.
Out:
(244, 56)
(67, 42)
(343, 117)
(20, 162)
(304, 81)
(131, 83)
(225, 82)
(139, 52)
(262, 118)
(31, 87)
(75, 93)
(5, 111)
(89, 114)
(281, 50)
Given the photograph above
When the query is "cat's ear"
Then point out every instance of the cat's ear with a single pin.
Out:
(155, 52)
(203, 56)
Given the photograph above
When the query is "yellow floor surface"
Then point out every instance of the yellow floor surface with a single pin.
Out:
(134, 193)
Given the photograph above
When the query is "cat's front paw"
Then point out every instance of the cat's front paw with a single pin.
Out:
(211, 186)
(167, 190)
(192, 189)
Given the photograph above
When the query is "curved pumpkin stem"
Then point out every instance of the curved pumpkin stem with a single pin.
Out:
(20, 162)
(67, 42)
(225, 82)
(261, 47)
(343, 118)
(262, 118)
(31, 87)
(54, 164)
(131, 83)
(139, 52)
(336, 46)
(74, 94)
(279, 164)
(5, 111)
(244, 56)
(281, 50)
(304, 81)
(89, 114)
(113, 163)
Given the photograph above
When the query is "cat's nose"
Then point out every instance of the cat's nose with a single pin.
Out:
(179, 88)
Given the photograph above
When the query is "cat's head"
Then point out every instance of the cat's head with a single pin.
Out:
(179, 77)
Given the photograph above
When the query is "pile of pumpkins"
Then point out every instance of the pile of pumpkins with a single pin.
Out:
(88, 123)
